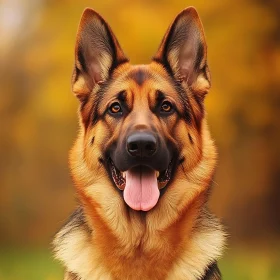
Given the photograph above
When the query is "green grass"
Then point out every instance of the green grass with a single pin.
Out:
(250, 264)
(38, 264)
(34, 264)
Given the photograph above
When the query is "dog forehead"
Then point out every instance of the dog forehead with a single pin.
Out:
(150, 74)
(143, 85)
(143, 80)
(140, 74)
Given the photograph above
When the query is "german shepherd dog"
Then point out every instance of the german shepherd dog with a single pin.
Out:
(143, 161)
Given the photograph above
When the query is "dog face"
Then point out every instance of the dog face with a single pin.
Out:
(139, 123)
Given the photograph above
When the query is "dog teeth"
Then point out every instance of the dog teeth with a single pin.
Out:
(157, 174)
(161, 185)
(123, 174)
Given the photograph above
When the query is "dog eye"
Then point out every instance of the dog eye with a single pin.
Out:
(115, 108)
(166, 107)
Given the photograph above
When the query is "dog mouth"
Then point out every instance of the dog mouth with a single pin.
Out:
(141, 184)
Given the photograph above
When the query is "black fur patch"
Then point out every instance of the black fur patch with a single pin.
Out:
(76, 220)
(190, 138)
(122, 96)
(184, 99)
(71, 276)
(94, 116)
(212, 273)
(139, 76)
(160, 96)
(181, 160)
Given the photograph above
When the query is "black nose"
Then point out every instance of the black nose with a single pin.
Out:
(141, 144)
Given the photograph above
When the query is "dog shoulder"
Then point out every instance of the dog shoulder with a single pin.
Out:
(76, 223)
(71, 243)
(209, 224)
(205, 247)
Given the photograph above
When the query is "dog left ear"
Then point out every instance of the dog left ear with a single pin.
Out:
(97, 54)
(184, 52)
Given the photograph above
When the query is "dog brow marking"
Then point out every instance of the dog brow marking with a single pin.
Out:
(159, 96)
(122, 96)
(139, 76)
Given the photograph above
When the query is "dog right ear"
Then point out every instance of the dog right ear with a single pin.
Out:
(184, 51)
(97, 54)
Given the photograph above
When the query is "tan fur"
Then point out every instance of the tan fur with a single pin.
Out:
(177, 239)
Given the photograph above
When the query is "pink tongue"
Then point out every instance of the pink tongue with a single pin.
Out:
(141, 189)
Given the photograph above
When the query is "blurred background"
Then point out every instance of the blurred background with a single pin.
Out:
(38, 123)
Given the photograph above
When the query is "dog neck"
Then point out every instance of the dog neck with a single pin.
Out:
(180, 252)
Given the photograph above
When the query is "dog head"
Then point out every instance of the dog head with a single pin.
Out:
(139, 124)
